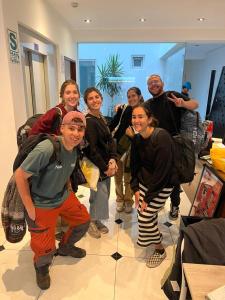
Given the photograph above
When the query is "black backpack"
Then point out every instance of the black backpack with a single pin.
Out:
(13, 211)
(192, 128)
(31, 142)
(184, 158)
(23, 131)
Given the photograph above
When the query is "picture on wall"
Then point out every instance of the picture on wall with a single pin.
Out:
(207, 195)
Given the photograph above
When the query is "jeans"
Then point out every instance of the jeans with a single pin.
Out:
(99, 201)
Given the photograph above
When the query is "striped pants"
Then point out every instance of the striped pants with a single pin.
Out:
(148, 219)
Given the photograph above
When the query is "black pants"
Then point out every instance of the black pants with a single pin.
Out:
(175, 196)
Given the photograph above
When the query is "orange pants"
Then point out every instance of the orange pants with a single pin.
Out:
(43, 228)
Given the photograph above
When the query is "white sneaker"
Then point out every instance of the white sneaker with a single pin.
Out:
(119, 206)
(93, 230)
(101, 227)
(128, 207)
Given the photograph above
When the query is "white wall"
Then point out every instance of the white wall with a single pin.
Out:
(39, 17)
(198, 73)
(7, 121)
(149, 35)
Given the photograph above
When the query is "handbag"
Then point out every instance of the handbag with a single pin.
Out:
(90, 172)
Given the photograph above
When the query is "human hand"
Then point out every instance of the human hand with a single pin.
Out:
(179, 102)
(129, 132)
(116, 107)
(31, 212)
(144, 205)
(136, 196)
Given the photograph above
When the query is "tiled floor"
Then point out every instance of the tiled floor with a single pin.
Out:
(98, 276)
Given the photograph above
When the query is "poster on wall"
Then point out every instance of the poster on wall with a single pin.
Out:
(13, 47)
(207, 195)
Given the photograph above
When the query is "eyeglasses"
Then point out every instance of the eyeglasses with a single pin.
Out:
(154, 82)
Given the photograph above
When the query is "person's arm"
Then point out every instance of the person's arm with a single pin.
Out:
(135, 163)
(163, 162)
(92, 135)
(115, 121)
(44, 123)
(21, 178)
(181, 101)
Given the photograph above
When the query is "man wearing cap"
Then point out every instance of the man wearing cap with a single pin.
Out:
(49, 195)
(185, 88)
(167, 108)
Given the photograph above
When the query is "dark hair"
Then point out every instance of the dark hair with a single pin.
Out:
(65, 84)
(154, 122)
(90, 90)
(137, 92)
(155, 75)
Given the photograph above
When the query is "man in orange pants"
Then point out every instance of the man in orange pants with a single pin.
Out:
(50, 195)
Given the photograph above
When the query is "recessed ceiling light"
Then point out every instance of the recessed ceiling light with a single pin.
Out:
(142, 20)
(201, 19)
(87, 21)
(74, 4)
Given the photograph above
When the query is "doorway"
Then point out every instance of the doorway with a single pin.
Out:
(35, 82)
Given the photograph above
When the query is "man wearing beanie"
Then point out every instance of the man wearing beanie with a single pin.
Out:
(45, 191)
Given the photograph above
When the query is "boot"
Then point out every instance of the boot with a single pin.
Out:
(42, 277)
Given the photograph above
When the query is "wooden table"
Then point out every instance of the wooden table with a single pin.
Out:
(202, 279)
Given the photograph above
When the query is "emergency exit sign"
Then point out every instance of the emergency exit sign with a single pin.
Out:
(13, 47)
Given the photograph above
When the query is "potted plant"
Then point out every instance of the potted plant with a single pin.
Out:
(109, 78)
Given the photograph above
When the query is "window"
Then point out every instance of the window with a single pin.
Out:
(137, 61)
(87, 74)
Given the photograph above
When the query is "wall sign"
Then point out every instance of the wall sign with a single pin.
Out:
(13, 46)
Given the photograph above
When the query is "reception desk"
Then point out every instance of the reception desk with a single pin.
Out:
(202, 279)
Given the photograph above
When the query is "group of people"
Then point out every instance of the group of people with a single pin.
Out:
(136, 147)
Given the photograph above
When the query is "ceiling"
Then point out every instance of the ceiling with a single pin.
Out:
(125, 14)
(121, 15)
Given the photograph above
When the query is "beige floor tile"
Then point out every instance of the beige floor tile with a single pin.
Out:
(17, 276)
(89, 278)
(135, 281)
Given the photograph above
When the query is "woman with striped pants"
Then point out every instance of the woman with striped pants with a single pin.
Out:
(153, 178)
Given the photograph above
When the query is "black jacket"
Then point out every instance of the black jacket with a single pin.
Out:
(101, 144)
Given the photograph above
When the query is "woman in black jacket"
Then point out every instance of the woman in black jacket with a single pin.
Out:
(122, 133)
(153, 178)
(102, 152)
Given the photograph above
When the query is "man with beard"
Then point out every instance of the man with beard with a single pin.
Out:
(167, 108)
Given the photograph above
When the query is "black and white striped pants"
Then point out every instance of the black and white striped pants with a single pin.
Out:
(148, 219)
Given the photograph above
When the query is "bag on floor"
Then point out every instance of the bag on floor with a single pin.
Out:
(13, 213)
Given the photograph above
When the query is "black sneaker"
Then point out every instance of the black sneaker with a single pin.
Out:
(42, 277)
(68, 250)
(174, 212)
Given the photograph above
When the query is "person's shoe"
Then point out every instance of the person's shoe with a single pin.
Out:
(174, 212)
(119, 206)
(155, 259)
(101, 227)
(71, 250)
(93, 230)
(42, 277)
(128, 207)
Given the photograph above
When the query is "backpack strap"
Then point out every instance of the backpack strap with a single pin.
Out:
(57, 120)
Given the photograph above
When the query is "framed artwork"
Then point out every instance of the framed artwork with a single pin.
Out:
(207, 195)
